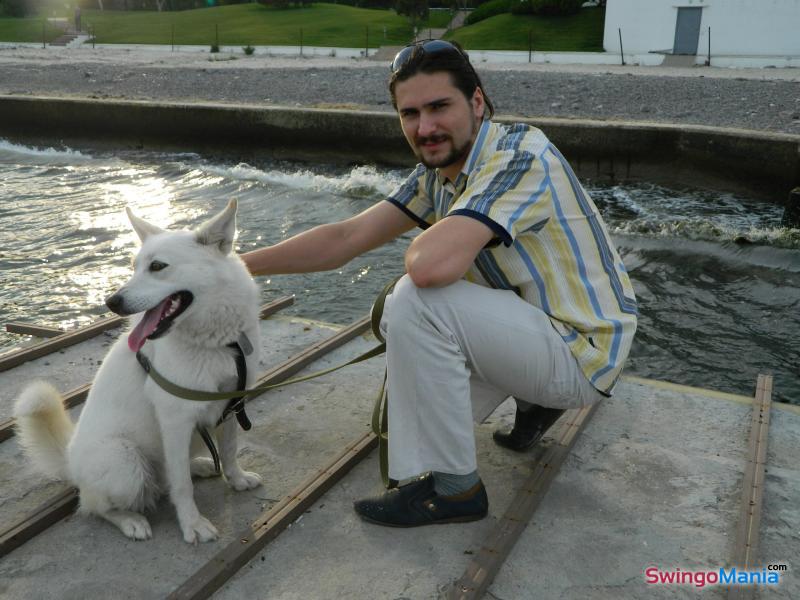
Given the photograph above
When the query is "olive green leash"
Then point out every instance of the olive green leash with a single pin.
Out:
(379, 413)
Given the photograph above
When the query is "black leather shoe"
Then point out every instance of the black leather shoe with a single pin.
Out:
(529, 427)
(417, 503)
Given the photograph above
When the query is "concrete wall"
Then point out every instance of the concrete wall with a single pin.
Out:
(738, 27)
(758, 164)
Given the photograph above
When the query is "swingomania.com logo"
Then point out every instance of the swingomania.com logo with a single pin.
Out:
(769, 575)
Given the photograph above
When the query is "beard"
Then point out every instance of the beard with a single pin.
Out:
(456, 153)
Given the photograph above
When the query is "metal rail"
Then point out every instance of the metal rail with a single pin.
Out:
(746, 545)
(213, 574)
(78, 395)
(487, 562)
(34, 330)
(17, 357)
(62, 505)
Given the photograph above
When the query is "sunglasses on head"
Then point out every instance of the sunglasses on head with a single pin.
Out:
(424, 47)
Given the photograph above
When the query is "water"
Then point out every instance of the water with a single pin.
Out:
(718, 281)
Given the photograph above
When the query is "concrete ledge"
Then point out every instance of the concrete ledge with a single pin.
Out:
(765, 165)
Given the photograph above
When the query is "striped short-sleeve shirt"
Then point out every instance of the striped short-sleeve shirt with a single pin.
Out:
(551, 248)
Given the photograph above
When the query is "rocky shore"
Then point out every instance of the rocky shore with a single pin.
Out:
(756, 99)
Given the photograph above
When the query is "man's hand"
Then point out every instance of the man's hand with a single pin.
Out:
(442, 254)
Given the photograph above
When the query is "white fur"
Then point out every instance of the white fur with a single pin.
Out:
(134, 440)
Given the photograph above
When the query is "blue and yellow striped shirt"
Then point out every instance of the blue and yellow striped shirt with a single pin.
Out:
(552, 247)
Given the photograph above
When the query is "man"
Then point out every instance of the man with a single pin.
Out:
(513, 288)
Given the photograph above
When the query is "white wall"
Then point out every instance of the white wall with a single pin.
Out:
(738, 27)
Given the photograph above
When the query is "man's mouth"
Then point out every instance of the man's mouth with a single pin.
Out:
(157, 321)
(431, 142)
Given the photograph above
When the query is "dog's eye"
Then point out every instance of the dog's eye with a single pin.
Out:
(157, 265)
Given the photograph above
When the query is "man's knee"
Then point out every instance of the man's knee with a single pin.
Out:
(402, 304)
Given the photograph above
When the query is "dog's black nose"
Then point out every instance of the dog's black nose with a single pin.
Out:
(114, 303)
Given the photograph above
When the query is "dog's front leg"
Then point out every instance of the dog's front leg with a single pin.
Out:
(177, 435)
(238, 479)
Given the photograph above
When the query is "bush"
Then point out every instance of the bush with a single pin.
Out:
(248, 50)
(16, 8)
(488, 9)
(546, 8)
(214, 48)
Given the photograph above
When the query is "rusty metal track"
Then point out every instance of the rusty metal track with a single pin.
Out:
(16, 358)
(746, 545)
(61, 506)
(78, 395)
(34, 330)
(487, 562)
(213, 574)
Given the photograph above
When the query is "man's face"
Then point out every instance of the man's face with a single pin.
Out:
(439, 123)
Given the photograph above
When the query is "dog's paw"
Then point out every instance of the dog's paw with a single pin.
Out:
(202, 530)
(135, 526)
(203, 466)
(244, 480)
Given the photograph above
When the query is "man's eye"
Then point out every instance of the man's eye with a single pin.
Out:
(157, 265)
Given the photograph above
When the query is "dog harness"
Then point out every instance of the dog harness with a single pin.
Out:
(238, 397)
(242, 347)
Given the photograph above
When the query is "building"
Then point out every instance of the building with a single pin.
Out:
(738, 32)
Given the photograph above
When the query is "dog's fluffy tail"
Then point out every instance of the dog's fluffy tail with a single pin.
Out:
(44, 428)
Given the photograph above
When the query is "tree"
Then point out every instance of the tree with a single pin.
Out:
(415, 10)
(16, 8)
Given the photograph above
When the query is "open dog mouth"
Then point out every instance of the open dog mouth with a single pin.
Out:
(157, 321)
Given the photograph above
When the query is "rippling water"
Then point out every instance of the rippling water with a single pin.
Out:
(718, 281)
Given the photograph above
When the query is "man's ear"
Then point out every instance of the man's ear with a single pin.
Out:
(219, 230)
(143, 228)
(478, 104)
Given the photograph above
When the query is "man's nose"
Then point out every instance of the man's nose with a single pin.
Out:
(427, 125)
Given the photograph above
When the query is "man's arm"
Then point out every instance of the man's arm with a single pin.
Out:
(442, 254)
(333, 245)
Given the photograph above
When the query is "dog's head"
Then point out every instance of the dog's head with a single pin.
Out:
(174, 269)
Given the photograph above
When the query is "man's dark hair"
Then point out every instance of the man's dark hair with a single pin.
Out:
(455, 62)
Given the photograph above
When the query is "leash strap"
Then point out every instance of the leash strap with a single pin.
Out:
(380, 422)
(380, 416)
(189, 394)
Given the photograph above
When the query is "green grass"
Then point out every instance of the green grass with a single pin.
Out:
(321, 24)
(26, 30)
(579, 33)
(331, 25)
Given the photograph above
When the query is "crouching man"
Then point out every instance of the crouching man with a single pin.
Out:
(514, 288)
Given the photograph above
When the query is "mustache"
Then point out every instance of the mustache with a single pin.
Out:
(432, 139)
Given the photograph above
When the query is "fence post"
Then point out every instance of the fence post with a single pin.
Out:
(708, 60)
(621, 53)
(301, 41)
(366, 46)
(530, 45)
(172, 36)
(44, 32)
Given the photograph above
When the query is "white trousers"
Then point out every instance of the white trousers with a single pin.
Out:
(453, 355)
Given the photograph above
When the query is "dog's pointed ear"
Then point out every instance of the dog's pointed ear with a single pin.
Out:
(143, 228)
(219, 230)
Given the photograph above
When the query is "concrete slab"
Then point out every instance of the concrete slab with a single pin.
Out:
(655, 480)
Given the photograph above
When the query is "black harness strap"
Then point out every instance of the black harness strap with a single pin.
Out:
(236, 405)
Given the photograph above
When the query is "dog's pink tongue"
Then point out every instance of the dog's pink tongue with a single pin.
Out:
(148, 324)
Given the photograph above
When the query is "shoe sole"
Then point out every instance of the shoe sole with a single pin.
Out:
(464, 519)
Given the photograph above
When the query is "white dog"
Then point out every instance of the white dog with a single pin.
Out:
(133, 438)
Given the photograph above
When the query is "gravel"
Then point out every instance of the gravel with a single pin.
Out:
(756, 99)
